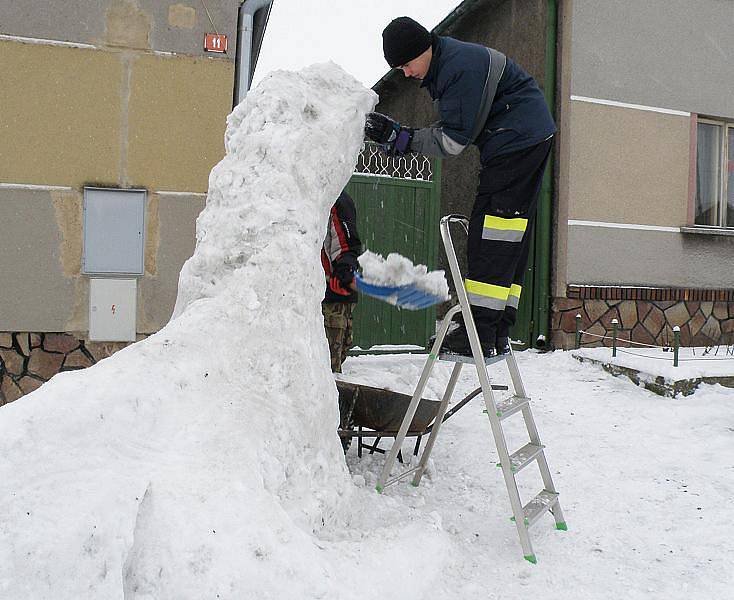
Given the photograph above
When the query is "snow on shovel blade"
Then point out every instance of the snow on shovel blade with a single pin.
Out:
(410, 297)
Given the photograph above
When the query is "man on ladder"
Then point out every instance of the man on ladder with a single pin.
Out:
(486, 99)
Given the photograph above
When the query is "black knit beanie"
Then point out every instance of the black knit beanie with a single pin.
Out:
(403, 40)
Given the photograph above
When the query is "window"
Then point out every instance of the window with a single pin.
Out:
(714, 173)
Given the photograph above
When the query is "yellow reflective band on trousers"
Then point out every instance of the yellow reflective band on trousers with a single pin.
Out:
(500, 229)
(513, 299)
(486, 294)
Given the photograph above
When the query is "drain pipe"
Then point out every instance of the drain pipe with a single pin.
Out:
(544, 218)
(244, 63)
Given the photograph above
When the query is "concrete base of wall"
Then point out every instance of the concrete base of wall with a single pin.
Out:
(27, 360)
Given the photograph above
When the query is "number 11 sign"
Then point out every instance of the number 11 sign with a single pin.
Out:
(214, 42)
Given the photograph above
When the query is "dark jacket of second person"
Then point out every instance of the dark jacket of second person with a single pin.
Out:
(341, 244)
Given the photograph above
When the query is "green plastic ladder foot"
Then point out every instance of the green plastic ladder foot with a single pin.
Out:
(531, 558)
(414, 484)
(562, 526)
(379, 489)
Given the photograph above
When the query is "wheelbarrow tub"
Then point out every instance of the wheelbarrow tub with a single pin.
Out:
(383, 410)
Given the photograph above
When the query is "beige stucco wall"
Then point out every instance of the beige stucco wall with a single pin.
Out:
(625, 165)
(173, 243)
(176, 26)
(36, 293)
(628, 165)
(616, 165)
(78, 115)
(631, 167)
(60, 115)
(43, 288)
(177, 111)
(648, 258)
(107, 116)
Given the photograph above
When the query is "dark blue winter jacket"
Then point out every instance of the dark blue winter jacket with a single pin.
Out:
(518, 118)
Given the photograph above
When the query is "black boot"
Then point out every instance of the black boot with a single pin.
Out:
(457, 342)
(503, 345)
(503, 335)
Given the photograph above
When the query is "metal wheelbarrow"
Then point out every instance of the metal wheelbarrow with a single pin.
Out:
(375, 413)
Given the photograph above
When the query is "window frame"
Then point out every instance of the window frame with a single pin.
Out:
(726, 127)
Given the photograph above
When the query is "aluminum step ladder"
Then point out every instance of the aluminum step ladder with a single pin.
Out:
(524, 516)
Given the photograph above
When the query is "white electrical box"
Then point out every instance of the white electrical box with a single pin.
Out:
(112, 310)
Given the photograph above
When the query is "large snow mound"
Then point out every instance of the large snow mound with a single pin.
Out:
(203, 461)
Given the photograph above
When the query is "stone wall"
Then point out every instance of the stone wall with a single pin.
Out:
(646, 315)
(27, 360)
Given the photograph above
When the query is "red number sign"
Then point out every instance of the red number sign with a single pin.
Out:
(215, 42)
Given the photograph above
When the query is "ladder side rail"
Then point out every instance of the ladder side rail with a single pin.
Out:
(437, 423)
(532, 430)
(542, 461)
(534, 436)
(517, 382)
(413, 406)
(448, 245)
(471, 328)
(497, 432)
(504, 456)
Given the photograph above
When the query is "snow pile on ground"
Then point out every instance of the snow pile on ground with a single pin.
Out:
(203, 462)
(397, 270)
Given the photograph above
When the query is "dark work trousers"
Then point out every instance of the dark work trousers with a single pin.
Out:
(500, 230)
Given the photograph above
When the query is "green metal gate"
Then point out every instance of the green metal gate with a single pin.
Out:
(398, 210)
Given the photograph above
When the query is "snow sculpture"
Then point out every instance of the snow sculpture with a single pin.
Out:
(199, 462)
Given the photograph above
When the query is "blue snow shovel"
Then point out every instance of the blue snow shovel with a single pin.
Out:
(410, 296)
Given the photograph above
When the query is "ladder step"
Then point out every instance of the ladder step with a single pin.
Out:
(524, 456)
(538, 506)
(509, 407)
(449, 357)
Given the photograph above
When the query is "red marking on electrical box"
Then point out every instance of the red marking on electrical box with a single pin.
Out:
(214, 42)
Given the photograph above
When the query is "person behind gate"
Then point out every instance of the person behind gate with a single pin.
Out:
(339, 259)
(486, 99)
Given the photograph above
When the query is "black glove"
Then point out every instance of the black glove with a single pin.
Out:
(391, 137)
(341, 279)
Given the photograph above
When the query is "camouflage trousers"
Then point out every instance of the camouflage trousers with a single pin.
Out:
(338, 326)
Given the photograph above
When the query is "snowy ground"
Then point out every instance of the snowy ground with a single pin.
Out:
(203, 462)
(646, 485)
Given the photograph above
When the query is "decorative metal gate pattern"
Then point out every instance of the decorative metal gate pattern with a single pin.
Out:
(372, 161)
